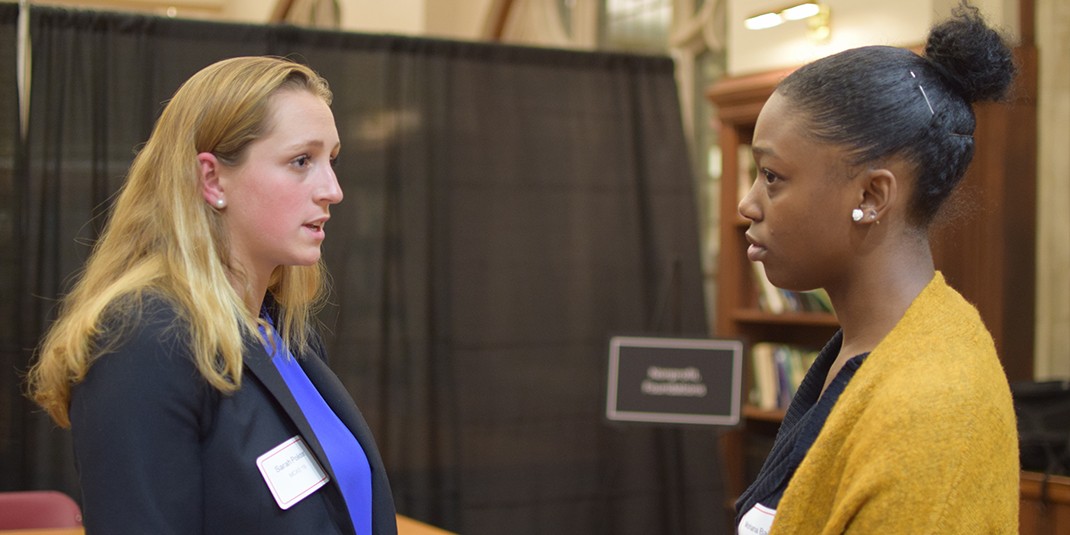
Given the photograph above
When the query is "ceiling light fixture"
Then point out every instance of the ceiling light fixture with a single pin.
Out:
(815, 14)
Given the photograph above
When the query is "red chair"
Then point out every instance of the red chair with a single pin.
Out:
(38, 509)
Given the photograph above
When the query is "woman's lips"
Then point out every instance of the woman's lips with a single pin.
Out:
(316, 228)
(756, 251)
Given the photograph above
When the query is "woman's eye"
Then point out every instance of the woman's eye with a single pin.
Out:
(302, 161)
(769, 176)
(334, 161)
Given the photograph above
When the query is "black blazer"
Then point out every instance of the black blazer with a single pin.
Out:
(160, 451)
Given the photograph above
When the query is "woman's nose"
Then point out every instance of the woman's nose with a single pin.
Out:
(332, 190)
(748, 205)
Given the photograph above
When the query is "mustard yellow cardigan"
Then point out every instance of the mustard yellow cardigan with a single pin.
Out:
(922, 440)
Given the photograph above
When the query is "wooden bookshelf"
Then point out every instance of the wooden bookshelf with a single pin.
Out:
(755, 413)
(808, 319)
(988, 256)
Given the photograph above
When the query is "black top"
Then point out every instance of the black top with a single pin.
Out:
(803, 421)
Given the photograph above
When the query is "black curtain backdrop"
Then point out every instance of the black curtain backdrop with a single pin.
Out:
(507, 210)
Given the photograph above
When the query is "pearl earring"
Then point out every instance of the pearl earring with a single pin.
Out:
(220, 203)
(856, 215)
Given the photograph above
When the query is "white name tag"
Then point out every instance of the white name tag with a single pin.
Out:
(757, 521)
(291, 472)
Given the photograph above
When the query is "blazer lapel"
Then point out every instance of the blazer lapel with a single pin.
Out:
(259, 364)
(339, 400)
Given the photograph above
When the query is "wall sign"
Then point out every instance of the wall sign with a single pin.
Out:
(674, 380)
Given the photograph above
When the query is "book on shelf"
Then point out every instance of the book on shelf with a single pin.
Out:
(770, 299)
(778, 370)
(765, 387)
(778, 300)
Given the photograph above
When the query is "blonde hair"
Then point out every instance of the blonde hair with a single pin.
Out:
(163, 238)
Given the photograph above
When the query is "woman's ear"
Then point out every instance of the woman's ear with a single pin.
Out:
(880, 189)
(211, 187)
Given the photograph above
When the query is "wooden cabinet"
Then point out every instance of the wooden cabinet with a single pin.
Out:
(1044, 507)
(988, 253)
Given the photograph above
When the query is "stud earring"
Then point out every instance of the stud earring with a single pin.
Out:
(856, 215)
(220, 203)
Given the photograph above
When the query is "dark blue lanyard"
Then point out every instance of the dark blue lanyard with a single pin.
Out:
(345, 455)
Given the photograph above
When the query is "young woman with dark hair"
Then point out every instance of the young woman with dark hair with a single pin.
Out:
(905, 422)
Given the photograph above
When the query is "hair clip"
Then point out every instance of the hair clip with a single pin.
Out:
(930, 104)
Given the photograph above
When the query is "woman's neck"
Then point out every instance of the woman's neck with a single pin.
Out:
(878, 293)
(252, 291)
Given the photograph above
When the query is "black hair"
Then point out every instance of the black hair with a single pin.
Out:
(881, 101)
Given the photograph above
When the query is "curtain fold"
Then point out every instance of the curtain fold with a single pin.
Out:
(14, 408)
(507, 210)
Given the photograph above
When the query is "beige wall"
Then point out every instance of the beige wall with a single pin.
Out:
(372, 16)
(854, 23)
(254, 11)
(1053, 191)
(455, 19)
(406, 17)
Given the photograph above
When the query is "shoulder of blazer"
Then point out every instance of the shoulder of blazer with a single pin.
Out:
(150, 318)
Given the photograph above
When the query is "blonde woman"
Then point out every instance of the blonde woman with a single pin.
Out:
(184, 360)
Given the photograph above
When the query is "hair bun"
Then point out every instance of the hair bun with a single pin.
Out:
(973, 57)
